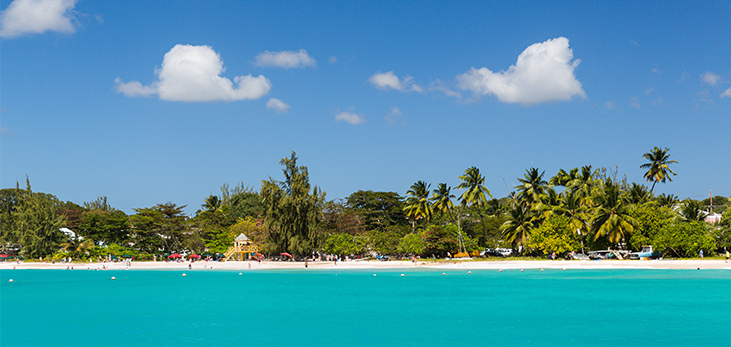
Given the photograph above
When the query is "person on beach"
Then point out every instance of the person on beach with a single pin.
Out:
(305, 264)
(701, 254)
(727, 254)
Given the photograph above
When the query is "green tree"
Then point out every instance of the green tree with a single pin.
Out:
(379, 210)
(212, 204)
(685, 239)
(658, 166)
(638, 194)
(104, 226)
(159, 228)
(651, 220)
(411, 244)
(293, 209)
(692, 211)
(555, 234)
(38, 223)
(518, 227)
(669, 200)
(475, 195)
(532, 186)
(417, 206)
(611, 217)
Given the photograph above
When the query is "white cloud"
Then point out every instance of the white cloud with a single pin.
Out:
(439, 86)
(285, 59)
(333, 60)
(37, 16)
(609, 105)
(349, 117)
(649, 90)
(192, 74)
(726, 94)
(389, 80)
(393, 116)
(634, 102)
(710, 78)
(543, 72)
(278, 105)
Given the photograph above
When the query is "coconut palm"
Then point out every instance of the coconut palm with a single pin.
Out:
(584, 181)
(475, 195)
(517, 229)
(669, 200)
(611, 217)
(575, 208)
(211, 204)
(442, 202)
(658, 168)
(531, 186)
(417, 204)
(692, 210)
(638, 194)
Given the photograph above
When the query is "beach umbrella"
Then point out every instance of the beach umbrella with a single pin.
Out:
(194, 256)
(175, 255)
(206, 254)
(126, 256)
(286, 254)
(3, 255)
(259, 255)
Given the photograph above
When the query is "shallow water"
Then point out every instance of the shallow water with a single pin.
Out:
(329, 307)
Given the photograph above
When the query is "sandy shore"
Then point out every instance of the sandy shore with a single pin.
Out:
(444, 265)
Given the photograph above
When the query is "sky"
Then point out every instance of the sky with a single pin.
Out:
(164, 101)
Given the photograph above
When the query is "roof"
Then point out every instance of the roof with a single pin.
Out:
(242, 237)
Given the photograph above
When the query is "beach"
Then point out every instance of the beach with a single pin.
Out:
(364, 264)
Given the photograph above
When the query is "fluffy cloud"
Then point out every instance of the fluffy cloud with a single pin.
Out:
(37, 16)
(544, 72)
(277, 105)
(285, 59)
(192, 73)
(349, 117)
(389, 80)
(710, 78)
(726, 94)
(393, 116)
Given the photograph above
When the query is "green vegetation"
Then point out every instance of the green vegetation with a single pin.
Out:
(574, 211)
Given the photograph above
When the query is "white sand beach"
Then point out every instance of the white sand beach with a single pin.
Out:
(362, 264)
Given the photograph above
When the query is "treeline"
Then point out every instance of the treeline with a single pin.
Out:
(576, 210)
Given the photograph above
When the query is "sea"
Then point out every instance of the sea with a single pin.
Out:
(401, 307)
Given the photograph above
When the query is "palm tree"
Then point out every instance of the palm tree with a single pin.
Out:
(531, 187)
(574, 207)
(611, 215)
(517, 229)
(417, 204)
(638, 194)
(442, 202)
(211, 204)
(667, 200)
(475, 196)
(692, 210)
(583, 182)
(658, 167)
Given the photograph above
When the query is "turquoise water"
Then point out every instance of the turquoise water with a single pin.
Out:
(355, 308)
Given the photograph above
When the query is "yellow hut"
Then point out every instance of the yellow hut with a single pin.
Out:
(241, 249)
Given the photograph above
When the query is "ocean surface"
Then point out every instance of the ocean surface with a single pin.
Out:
(356, 308)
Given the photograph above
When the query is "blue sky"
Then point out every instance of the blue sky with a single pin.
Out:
(150, 102)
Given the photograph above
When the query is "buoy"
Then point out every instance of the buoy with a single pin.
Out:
(374, 275)
(114, 278)
(501, 270)
(240, 274)
(564, 269)
(469, 272)
(402, 275)
(184, 275)
(541, 269)
(10, 280)
(698, 268)
(444, 273)
(521, 270)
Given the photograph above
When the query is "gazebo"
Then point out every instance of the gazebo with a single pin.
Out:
(241, 249)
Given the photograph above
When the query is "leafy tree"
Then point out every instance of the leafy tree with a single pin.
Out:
(293, 209)
(685, 239)
(442, 200)
(583, 181)
(658, 166)
(104, 226)
(417, 206)
(379, 210)
(345, 244)
(387, 241)
(245, 204)
(440, 240)
(475, 195)
(638, 194)
(99, 204)
(611, 217)
(38, 223)
(412, 243)
(212, 204)
(651, 220)
(555, 234)
(159, 228)
(337, 218)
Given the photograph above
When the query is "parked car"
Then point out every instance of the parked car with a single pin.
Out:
(646, 252)
(505, 251)
(489, 252)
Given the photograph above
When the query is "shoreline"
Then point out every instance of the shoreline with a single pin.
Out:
(384, 265)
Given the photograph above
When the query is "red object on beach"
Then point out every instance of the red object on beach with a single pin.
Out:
(175, 255)
(259, 255)
(194, 256)
(3, 255)
(286, 254)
